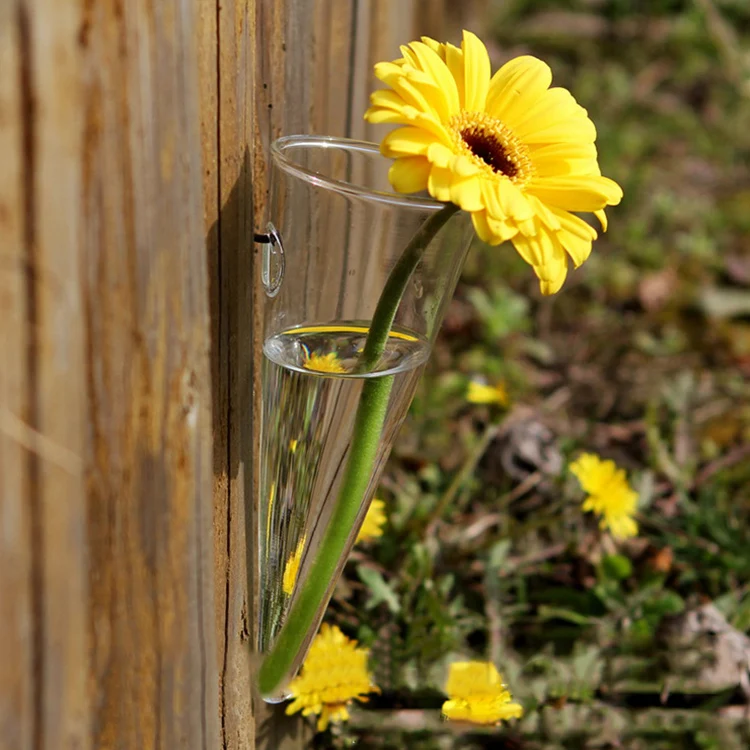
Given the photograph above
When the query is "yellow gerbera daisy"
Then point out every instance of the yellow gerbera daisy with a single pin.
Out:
(515, 153)
(610, 495)
(476, 694)
(334, 673)
(323, 362)
(372, 526)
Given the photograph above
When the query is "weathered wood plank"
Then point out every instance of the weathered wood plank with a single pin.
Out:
(327, 74)
(107, 612)
(224, 57)
(233, 231)
(214, 82)
(153, 671)
(16, 436)
(52, 91)
(42, 510)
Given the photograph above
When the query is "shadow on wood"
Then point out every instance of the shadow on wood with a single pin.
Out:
(231, 263)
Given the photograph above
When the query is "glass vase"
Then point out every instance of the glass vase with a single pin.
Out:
(335, 235)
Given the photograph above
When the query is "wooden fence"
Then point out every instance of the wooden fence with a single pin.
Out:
(133, 143)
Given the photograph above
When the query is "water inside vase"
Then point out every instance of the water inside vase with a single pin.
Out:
(311, 390)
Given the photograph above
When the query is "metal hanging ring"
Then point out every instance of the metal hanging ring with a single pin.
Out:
(273, 260)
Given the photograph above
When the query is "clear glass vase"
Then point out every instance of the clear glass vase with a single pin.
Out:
(337, 232)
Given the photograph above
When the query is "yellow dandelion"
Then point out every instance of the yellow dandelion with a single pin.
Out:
(323, 363)
(609, 494)
(515, 153)
(334, 673)
(476, 694)
(293, 445)
(481, 393)
(375, 519)
(291, 569)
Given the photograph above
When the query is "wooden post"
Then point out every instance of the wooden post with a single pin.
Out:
(106, 605)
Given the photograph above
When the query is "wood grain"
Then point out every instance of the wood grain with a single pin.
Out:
(148, 395)
(106, 622)
(42, 504)
(17, 437)
(230, 243)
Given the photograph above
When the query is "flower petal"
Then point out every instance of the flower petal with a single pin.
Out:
(602, 218)
(394, 76)
(436, 68)
(557, 159)
(408, 141)
(454, 59)
(476, 694)
(381, 116)
(395, 111)
(409, 56)
(463, 166)
(476, 72)
(502, 229)
(440, 155)
(575, 235)
(555, 112)
(491, 231)
(549, 287)
(544, 213)
(481, 227)
(466, 193)
(587, 193)
(507, 204)
(409, 174)
(387, 98)
(513, 202)
(439, 183)
(622, 527)
(546, 151)
(528, 250)
(516, 87)
(546, 256)
(588, 469)
(431, 90)
(572, 130)
(435, 46)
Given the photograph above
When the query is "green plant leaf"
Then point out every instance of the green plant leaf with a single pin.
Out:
(617, 567)
(558, 613)
(380, 591)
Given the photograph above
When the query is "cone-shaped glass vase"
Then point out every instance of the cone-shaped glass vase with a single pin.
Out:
(330, 411)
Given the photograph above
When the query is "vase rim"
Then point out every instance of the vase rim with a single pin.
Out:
(279, 151)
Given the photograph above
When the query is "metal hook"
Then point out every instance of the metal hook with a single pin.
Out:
(274, 262)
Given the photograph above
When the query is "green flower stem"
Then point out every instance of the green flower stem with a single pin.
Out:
(385, 312)
(368, 426)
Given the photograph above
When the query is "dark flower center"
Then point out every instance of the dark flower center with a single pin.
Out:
(490, 150)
